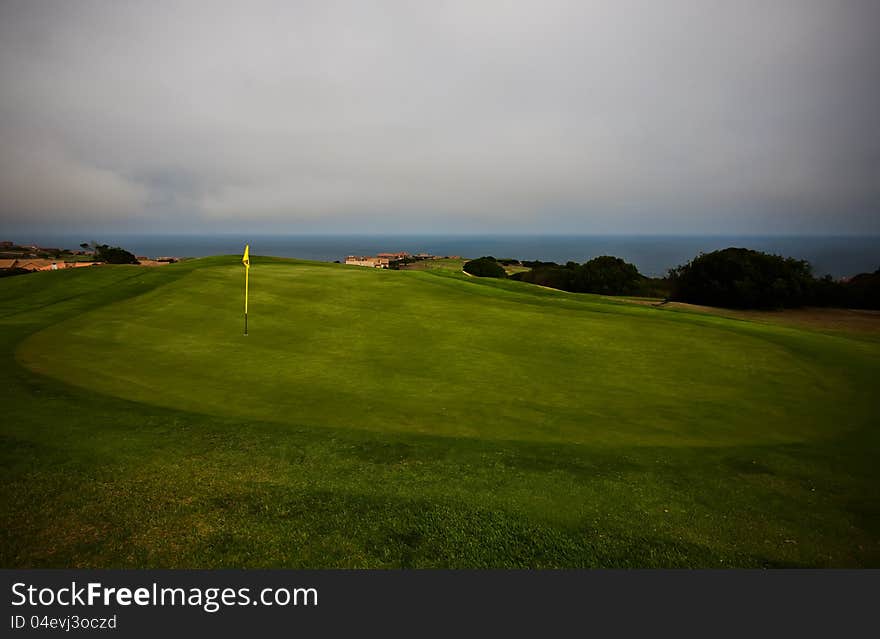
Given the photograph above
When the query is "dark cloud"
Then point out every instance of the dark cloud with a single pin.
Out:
(376, 116)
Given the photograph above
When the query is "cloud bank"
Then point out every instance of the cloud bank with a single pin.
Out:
(459, 116)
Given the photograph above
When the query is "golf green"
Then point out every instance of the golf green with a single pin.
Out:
(423, 418)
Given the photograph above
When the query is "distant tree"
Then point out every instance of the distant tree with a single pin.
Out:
(608, 275)
(653, 287)
(551, 276)
(605, 275)
(485, 267)
(743, 278)
(863, 291)
(114, 255)
(828, 292)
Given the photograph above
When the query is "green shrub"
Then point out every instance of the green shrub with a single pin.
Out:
(608, 275)
(114, 255)
(605, 275)
(863, 291)
(485, 267)
(743, 278)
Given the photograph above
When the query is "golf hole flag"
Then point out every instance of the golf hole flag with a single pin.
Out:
(246, 260)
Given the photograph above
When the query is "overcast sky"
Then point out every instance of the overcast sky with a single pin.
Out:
(465, 116)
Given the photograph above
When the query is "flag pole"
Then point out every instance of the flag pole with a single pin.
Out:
(246, 260)
(246, 271)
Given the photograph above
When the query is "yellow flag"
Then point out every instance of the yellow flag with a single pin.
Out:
(246, 260)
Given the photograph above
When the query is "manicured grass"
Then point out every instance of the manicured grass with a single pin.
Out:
(420, 418)
(443, 264)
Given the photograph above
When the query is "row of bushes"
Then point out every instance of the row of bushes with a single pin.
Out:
(732, 278)
(743, 278)
(605, 275)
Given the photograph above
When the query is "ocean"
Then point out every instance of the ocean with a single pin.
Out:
(653, 255)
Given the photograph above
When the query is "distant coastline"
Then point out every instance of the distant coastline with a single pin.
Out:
(839, 256)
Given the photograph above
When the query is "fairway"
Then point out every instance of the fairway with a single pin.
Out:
(421, 418)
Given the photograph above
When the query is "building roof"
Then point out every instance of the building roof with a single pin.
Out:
(7, 263)
(40, 264)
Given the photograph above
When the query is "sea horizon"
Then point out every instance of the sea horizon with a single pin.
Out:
(840, 255)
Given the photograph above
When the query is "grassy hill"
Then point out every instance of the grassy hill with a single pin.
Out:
(420, 418)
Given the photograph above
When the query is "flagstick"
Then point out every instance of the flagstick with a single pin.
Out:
(246, 272)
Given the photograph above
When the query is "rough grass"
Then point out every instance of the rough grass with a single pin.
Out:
(380, 418)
